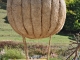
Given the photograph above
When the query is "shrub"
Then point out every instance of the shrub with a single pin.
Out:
(11, 53)
(11, 44)
(73, 16)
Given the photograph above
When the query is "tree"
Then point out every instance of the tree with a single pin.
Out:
(73, 15)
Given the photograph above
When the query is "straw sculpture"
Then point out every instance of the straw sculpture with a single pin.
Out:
(36, 19)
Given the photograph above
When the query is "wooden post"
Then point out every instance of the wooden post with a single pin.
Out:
(48, 56)
(25, 47)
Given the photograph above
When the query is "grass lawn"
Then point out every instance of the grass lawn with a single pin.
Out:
(7, 33)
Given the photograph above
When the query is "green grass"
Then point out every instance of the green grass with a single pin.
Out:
(55, 59)
(7, 33)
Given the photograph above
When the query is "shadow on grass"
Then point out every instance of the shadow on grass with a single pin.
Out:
(69, 34)
(6, 20)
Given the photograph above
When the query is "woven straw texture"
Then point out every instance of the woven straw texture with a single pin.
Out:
(36, 18)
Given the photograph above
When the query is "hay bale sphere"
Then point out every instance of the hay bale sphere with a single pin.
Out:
(36, 18)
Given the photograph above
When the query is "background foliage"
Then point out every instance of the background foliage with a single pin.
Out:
(73, 16)
(3, 1)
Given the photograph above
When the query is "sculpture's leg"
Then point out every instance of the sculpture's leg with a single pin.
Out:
(25, 47)
(49, 49)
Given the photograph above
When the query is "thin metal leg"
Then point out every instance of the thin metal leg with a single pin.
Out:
(25, 47)
(48, 56)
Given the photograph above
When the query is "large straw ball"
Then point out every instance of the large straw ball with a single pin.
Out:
(36, 18)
